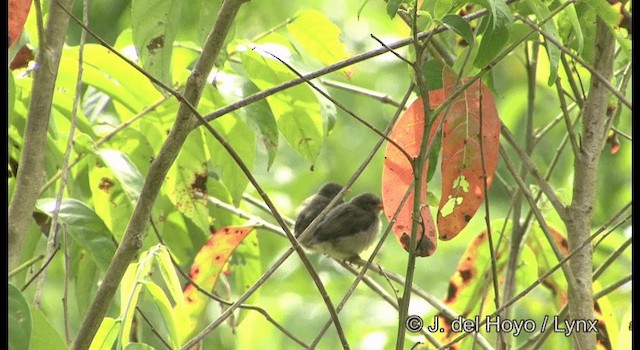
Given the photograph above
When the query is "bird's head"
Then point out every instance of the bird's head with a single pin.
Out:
(368, 201)
(330, 189)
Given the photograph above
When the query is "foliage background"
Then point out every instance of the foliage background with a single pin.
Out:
(289, 296)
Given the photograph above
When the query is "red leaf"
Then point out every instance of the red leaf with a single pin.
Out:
(207, 266)
(18, 12)
(462, 170)
(397, 175)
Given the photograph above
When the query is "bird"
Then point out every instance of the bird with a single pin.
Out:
(348, 229)
(312, 206)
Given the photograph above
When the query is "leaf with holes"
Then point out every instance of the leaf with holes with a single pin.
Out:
(463, 165)
(207, 266)
(397, 176)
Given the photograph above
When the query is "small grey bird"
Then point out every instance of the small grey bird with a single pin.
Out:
(349, 228)
(313, 205)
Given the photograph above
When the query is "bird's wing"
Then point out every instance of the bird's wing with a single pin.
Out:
(344, 221)
(309, 212)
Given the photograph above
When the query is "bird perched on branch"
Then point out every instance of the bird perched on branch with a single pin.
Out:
(313, 205)
(348, 229)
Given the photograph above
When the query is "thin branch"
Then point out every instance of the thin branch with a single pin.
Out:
(533, 170)
(132, 239)
(25, 265)
(567, 119)
(400, 57)
(594, 72)
(387, 230)
(330, 69)
(379, 96)
(487, 217)
(31, 169)
(376, 288)
(536, 211)
(611, 259)
(153, 328)
(220, 300)
(42, 268)
(577, 93)
(103, 140)
(341, 106)
(53, 230)
(545, 275)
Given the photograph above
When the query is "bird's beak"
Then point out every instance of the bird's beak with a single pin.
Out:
(379, 207)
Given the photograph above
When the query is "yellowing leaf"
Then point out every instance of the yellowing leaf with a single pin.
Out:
(320, 37)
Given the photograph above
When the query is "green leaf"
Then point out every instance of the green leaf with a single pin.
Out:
(242, 140)
(106, 335)
(44, 335)
(110, 202)
(257, 115)
(500, 12)
(459, 26)
(246, 268)
(432, 71)
(364, 3)
(138, 346)
(542, 12)
(19, 320)
(109, 74)
(320, 37)
(610, 13)
(154, 25)
(392, 7)
(164, 306)
(85, 282)
(130, 287)
(570, 13)
(187, 176)
(296, 109)
(168, 272)
(125, 171)
(492, 42)
(85, 227)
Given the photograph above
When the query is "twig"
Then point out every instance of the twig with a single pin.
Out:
(567, 120)
(153, 328)
(223, 301)
(545, 275)
(133, 235)
(577, 93)
(533, 170)
(103, 140)
(341, 106)
(379, 96)
(37, 273)
(376, 288)
(388, 229)
(400, 57)
(329, 69)
(594, 72)
(31, 169)
(25, 265)
(611, 259)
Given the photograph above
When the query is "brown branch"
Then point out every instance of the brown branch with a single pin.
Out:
(132, 239)
(31, 169)
(579, 212)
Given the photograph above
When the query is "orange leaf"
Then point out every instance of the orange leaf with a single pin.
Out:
(207, 266)
(18, 12)
(397, 175)
(462, 170)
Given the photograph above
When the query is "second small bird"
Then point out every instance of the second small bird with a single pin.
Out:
(348, 229)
